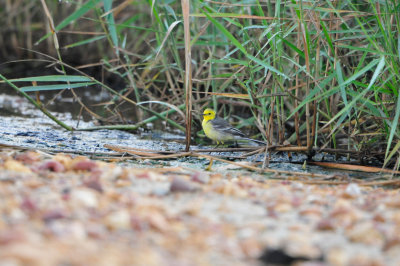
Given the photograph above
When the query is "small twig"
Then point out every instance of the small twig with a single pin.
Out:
(258, 151)
(366, 169)
(228, 149)
(160, 157)
(266, 158)
(128, 149)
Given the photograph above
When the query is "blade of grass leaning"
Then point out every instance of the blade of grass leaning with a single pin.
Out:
(111, 24)
(334, 90)
(393, 129)
(170, 28)
(364, 49)
(55, 87)
(327, 37)
(53, 78)
(293, 47)
(342, 88)
(72, 18)
(85, 77)
(109, 89)
(87, 41)
(395, 149)
(36, 104)
(312, 93)
(227, 34)
(370, 105)
(377, 71)
(239, 46)
(266, 66)
(398, 46)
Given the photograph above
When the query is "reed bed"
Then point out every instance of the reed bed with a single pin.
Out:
(313, 74)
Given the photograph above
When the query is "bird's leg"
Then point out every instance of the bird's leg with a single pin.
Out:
(236, 144)
(218, 143)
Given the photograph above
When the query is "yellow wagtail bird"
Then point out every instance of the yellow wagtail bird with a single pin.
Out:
(220, 130)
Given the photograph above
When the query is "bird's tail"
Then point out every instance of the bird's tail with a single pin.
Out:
(257, 141)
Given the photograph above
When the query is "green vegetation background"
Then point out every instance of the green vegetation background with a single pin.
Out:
(315, 73)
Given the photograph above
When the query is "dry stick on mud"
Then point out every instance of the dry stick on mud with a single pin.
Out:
(153, 154)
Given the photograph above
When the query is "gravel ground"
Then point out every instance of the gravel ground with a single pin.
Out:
(64, 210)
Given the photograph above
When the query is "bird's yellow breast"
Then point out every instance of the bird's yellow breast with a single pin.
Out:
(214, 134)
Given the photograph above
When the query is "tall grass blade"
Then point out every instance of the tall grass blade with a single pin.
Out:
(227, 34)
(111, 24)
(170, 28)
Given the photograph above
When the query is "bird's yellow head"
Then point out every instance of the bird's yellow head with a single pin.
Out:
(208, 114)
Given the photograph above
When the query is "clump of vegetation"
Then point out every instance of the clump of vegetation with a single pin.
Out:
(324, 75)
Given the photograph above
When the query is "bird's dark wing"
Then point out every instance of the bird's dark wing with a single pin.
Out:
(223, 126)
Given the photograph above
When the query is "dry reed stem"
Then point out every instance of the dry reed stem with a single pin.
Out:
(367, 169)
(158, 155)
(188, 70)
